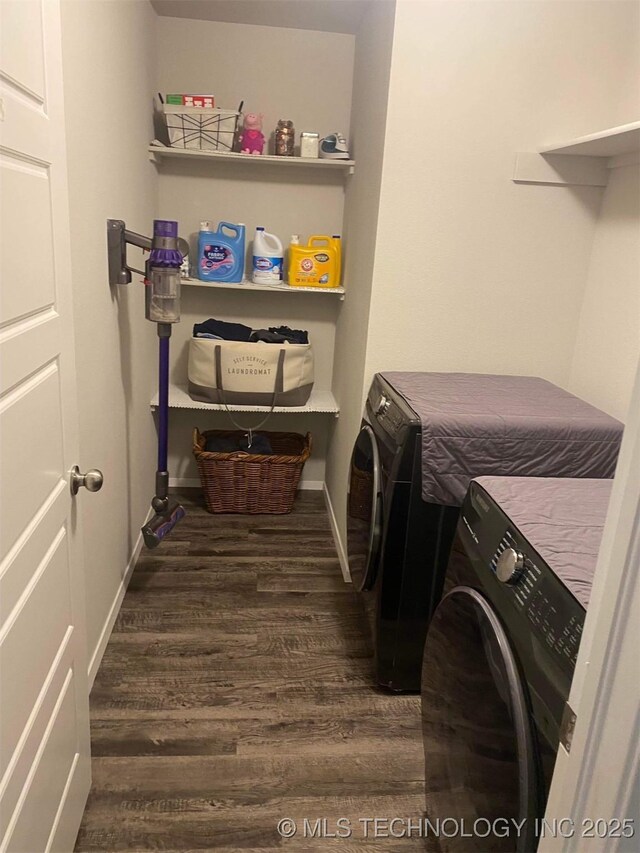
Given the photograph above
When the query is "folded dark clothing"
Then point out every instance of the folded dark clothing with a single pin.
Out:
(259, 444)
(293, 336)
(225, 331)
(219, 444)
(222, 329)
(266, 336)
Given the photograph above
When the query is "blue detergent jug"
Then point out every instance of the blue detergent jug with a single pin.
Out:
(220, 253)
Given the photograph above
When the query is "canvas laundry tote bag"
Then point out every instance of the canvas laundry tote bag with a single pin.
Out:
(250, 374)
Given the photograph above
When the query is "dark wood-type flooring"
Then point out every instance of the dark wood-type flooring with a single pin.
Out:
(236, 690)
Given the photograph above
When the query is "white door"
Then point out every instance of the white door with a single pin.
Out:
(44, 728)
(597, 783)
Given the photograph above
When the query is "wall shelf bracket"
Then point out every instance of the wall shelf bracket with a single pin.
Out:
(560, 170)
(585, 161)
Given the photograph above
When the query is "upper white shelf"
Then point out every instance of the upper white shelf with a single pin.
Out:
(319, 401)
(272, 288)
(624, 139)
(253, 159)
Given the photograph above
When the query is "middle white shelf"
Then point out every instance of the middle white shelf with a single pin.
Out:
(320, 401)
(250, 285)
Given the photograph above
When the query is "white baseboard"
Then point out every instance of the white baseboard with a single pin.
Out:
(194, 483)
(342, 554)
(311, 486)
(184, 482)
(107, 628)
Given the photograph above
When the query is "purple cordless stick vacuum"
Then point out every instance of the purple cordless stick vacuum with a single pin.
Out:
(162, 306)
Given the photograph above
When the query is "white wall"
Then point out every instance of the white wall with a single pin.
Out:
(473, 272)
(300, 75)
(608, 342)
(109, 77)
(370, 88)
(486, 275)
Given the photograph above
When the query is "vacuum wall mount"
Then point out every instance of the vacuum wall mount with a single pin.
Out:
(117, 239)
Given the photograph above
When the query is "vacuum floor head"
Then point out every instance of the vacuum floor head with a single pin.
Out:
(161, 524)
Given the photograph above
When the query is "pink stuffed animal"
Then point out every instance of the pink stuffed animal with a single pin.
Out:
(251, 137)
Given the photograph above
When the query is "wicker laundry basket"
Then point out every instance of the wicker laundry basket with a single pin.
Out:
(247, 482)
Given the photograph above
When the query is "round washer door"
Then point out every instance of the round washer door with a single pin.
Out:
(364, 510)
(480, 760)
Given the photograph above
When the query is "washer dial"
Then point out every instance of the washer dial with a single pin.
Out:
(510, 566)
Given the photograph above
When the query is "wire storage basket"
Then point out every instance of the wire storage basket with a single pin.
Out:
(201, 129)
(251, 483)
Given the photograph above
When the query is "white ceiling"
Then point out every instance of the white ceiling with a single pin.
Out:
(332, 16)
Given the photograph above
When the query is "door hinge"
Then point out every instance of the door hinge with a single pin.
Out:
(568, 726)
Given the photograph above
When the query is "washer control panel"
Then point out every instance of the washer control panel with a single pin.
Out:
(391, 419)
(536, 592)
(386, 412)
(382, 405)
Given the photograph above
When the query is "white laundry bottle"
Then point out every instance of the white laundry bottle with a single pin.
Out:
(268, 258)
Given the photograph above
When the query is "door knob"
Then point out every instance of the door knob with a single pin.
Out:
(92, 480)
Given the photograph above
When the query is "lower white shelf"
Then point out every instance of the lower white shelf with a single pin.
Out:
(319, 401)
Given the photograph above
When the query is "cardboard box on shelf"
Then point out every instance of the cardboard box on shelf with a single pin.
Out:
(206, 102)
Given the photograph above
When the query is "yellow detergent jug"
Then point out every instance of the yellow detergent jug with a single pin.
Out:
(337, 245)
(314, 265)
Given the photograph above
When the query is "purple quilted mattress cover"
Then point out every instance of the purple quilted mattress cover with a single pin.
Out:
(562, 519)
(481, 424)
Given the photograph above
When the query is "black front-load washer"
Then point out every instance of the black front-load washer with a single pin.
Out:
(424, 437)
(398, 544)
(500, 654)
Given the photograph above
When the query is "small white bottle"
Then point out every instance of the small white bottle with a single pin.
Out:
(268, 258)
(309, 144)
